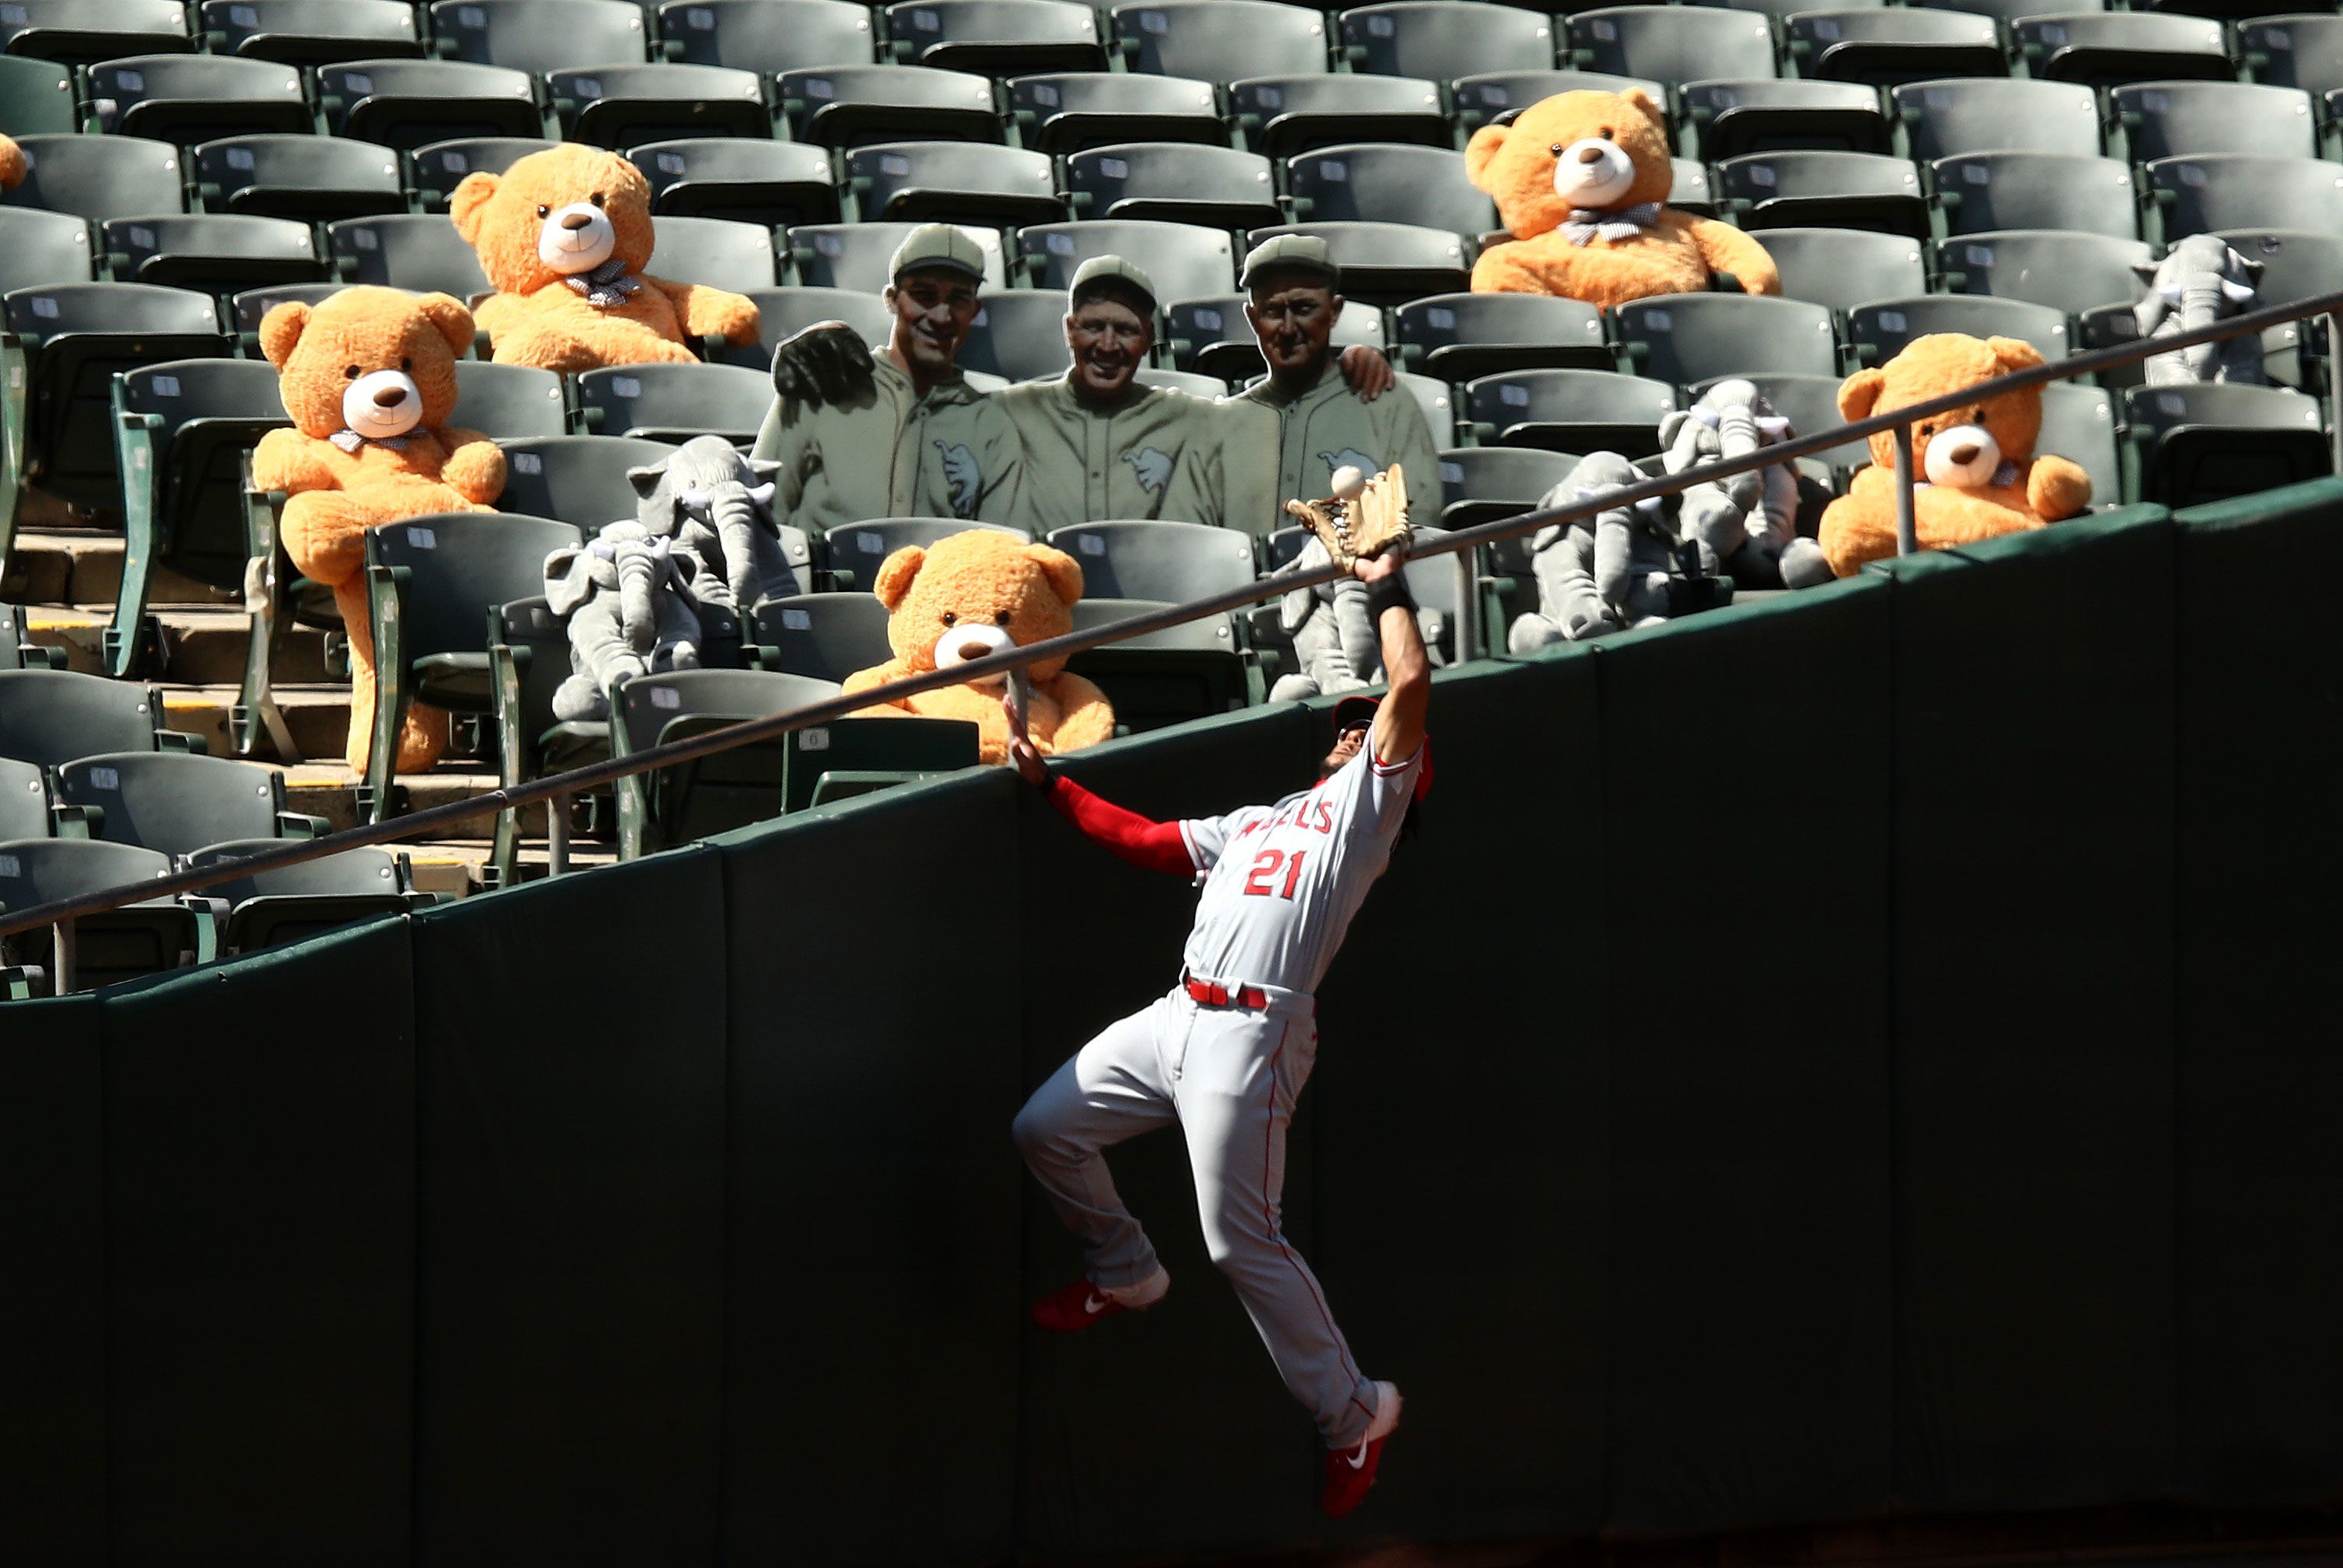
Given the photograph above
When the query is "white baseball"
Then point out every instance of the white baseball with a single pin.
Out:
(1349, 483)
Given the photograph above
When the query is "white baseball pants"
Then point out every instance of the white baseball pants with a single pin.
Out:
(1230, 1078)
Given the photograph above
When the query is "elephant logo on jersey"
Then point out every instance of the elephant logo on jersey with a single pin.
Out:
(1348, 458)
(966, 479)
(1154, 468)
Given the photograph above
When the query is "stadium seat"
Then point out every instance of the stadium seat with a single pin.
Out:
(310, 179)
(767, 37)
(733, 789)
(953, 182)
(713, 251)
(1174, 182)
(2104, 48)
(1484, 96)
(1441, 40)
(2301, 50)
(1279, 116)
(782, 313)
(2233, 190)
(626, 105)
(1436, 401)
(38, 98)
(1065, 112)
(434, 588)
(2192, 444)
(846, 105)
(539, 37)
(2066, 271)
(311, 31)
(508, 402)
(1979, 191)
(405, 104)
(183, 430)
(1384, 263)
(1810, 402)
(210, 251)
(2002, 11)
(1839, 190)
(851, 552)
(1690, 190)
(999, 37)
(827, 636)
(25, 808)
(1168, 677)
(420, 251)
(247, 306)
(2078, 423)
(675, 402)
(1842, 269)
(1169, 561)
(138, 939)
(175, 803)
(1568, 410)
(1367, 182)
(578, 479)
(1948, 118)
(41, 249)
(49, 716)
(1877, 332)
(1221, 41)
(99, 177)
(1772, 114)
(2296, 265)
(17, 648)
(80, 32)
(1185, 262)
(1885, 48)
(528, 659)
(186, 98)
(1683, 338)
(775, 185)
(1672, 44)
(854, 256)
(1483, 483)
(2169, 119)
(270, 908)
(436, 169)
(1212, 335)
(1458, 337)
(1019, 334)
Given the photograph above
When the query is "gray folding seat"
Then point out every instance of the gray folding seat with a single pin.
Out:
(579, 479)
(79, 31)
(310, 32)
(186, 98)
(1369, 182)
(674, 402)
(249, 306)
(2296, 265)
(1186, 262)
(144, 938)
(99, 177)
(2172, 119)
(1159, 679)
(2066, 271)
(1459, 336)
(539, 35)
(1842, 269)
(311, 179)
(626, 105)
(1484, 96)
(847, 105)
(782, 313)
(1569, 411)
(1441, 40)
(175, 803)
(1436, 401)
(1975, 192)
(509, 402)
(742, 179)
(1943, 119)
(1019, 334)
(1883, 48)
(1211, 335)
(2102, 48)
(2078, 424)
(436, 169)
(1068, 111)
(418, 251)
(17, 649)
(25, 810)
(855, 255)
(49, 716)
(209, 251)
(715, 252)
(1282, 114)
(1683, 338)
(1174, 182)
(732, 790)
(2008, 11)
(2233, 190)
(1169, 562)
(2301, 50)
(1483, 483)
(1811, 189)
(852, 553)
(1772, 114)
(1672, 44)
(39, 248)
(1690, 191)
(2191, 444)
(767, 37)
(953, 182)
(1877, 332)
(405, 104)
(38, 98)
(1001, 37)
(827, 636)
(293, 903)
(1810, 402)
(1220, 41)
(1388, 262)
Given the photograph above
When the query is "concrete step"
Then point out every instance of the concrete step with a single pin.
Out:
(201, 646)
(328, 790)
(60, 567)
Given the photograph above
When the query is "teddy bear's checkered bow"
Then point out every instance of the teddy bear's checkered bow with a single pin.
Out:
(1611, 223)
(607, 285)
(350, 441)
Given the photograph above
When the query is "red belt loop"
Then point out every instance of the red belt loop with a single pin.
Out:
(1216, 994)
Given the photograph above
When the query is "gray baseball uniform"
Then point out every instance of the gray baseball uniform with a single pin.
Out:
(1280, 885)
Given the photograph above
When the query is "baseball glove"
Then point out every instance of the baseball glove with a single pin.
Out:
(1366, 524)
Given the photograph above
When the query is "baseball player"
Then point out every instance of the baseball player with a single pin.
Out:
(1225, 1052)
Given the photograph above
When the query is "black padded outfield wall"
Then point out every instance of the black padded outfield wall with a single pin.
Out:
(1863, 1052)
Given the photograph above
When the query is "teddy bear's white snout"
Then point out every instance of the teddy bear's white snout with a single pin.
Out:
(578, 237)
(1594, 173)
(383, 404)
(1964, 454)
(970, 642)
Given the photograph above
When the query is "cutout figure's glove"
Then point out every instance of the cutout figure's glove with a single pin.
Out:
(825, 363)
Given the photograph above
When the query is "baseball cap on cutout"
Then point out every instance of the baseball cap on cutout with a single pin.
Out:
(1289, 252)
(1109, 275)
(1352, 711)
(938, 246)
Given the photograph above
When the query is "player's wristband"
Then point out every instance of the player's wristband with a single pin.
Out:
(1389, 593)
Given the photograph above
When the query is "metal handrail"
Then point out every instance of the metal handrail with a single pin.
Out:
(63, 911)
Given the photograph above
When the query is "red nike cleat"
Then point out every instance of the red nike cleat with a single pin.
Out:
(1350, 1472)
(1082, 1303)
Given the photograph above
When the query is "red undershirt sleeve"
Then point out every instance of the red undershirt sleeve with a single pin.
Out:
(1150, 845)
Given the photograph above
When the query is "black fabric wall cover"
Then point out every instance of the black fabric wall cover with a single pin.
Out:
(873, 1235)
(571, 1218)
(260, 1237)
(2261, 1163)
(1461, 1205)
(52, 1284)
(1748, 964)
(2034, 734)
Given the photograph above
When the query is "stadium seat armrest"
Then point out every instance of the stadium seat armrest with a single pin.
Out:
(209, 914)
(300, 825)
(22, 982)
(78, 821)
(180, 740)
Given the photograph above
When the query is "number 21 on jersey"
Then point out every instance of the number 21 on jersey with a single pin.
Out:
(1264, 871)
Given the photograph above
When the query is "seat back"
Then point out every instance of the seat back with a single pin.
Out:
(406, 104)
(2196, 442)
(1570, 410)
(39, 249)
(539, 35)
(53, 715)
(1018, 334)
(852, 553)
(958, 182)
(2231, 190)
(184, 98)
(874, 753)
(827, 636)
(2299, 50)
(1373, 183)
(293, 903)
(1481, 483)
(1683, 338)
(437, 167)
(173, 801)
(1285, 115)
(508, 402)
(578, 479)
(782, 313)
(767, 37)
(1174, 562)
(37, 97)
(1457, 336)
(1441, 40)
(1950, 116)
(743, 179)
(1389, 262)
(416, 251)
(310, 178)
(624, 105)
(846, 105)
(675, 402)
(99, 177)
(1879, 331)
(1220, 40)
(40, 872)
(2169, 119)
(1184, 261)
(459, 564)
(1840, 268)
(187, 425)
(1482, 95)
(1176, 182)
(1995, 190)
(1064, 111)
(1004, 37)
(310, 32)
(79, 32)
(1672, 44)
(25, 800)
(1191, 670)
(729, 789)
(2068, 272)
(2078, 423)
(854, 256)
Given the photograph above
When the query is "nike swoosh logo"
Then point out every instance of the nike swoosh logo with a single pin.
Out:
(1094, 1305)
(1359, 1460)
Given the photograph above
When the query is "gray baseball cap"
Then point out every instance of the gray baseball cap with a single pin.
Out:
(1290, 253)
(937, 245)
(1109, 275)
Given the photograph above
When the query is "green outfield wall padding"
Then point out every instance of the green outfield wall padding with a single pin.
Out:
(872, 1302)
(1748, 965)
(1462, 1144)
(52, 1284)
(571, 1093)
(2260, 1079)
(2033, 1025)
(260, 1239)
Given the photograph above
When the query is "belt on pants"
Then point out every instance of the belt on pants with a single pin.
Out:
(1218, 993)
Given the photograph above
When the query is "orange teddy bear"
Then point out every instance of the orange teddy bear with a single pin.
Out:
(1976, 476)
(368, 376)
(564, 236)
(975, 594)
(1580, 179)
(12, 163)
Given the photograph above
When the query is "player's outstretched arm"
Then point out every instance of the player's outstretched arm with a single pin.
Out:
(1399, 721)
(1148, 844)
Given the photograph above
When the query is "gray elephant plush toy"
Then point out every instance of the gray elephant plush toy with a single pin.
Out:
(716, 505)
(2199, 281)
(1614, 571)
(627, 595)
(1334, 633)
(1745, 526)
